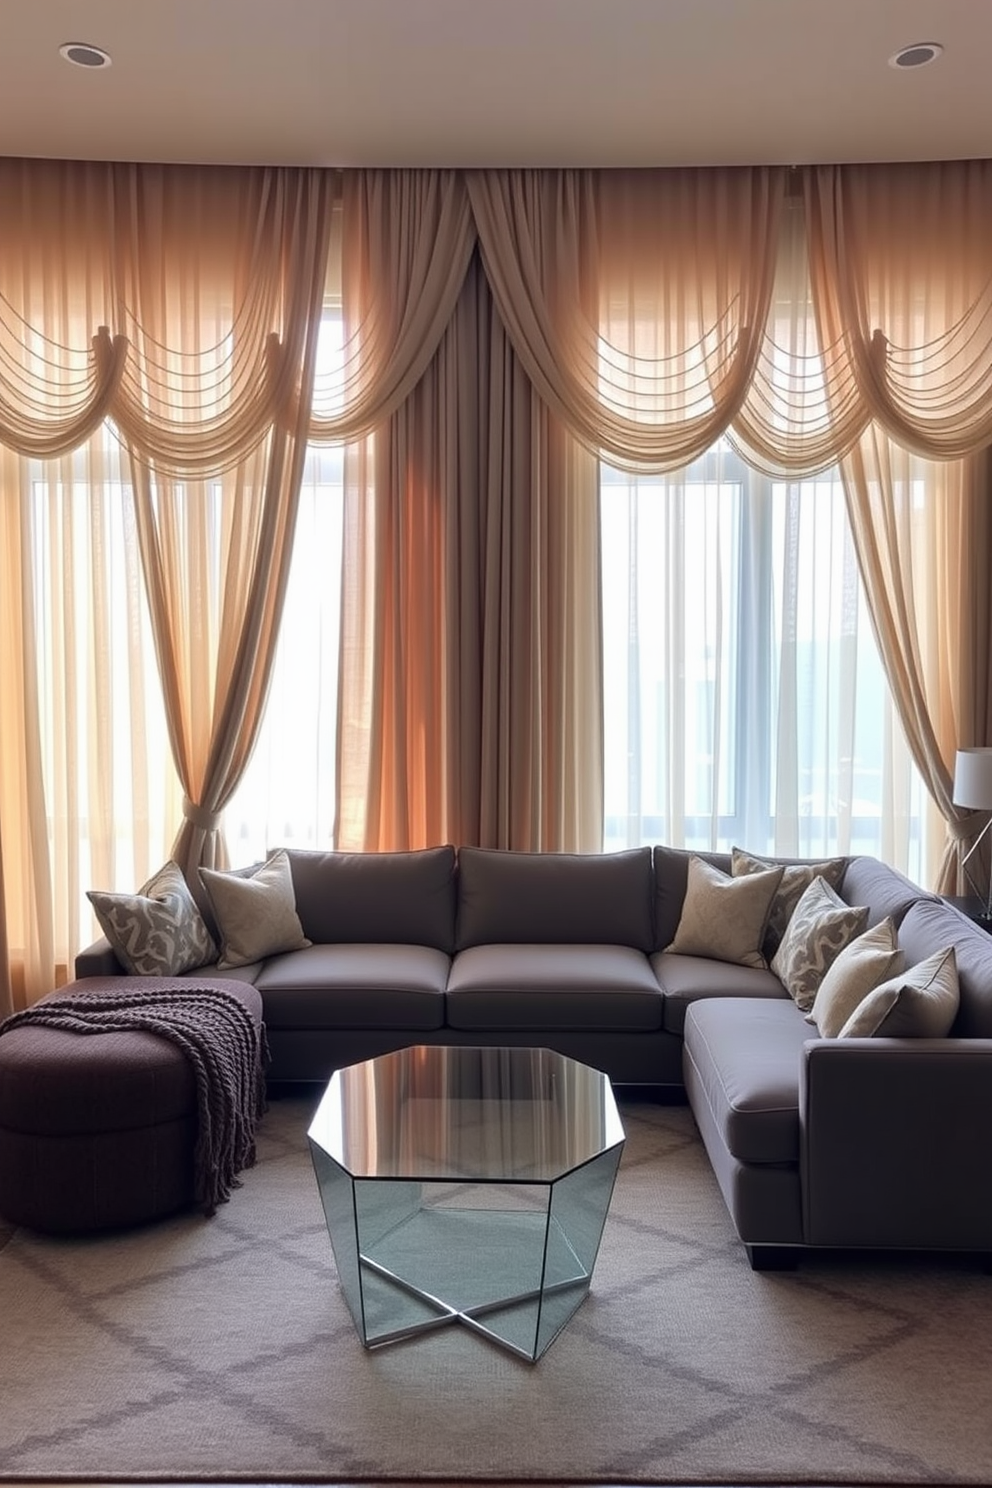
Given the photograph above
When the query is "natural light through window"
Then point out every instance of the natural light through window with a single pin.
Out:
(745, 698)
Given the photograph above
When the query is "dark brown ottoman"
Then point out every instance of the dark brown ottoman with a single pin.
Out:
(98, 1130)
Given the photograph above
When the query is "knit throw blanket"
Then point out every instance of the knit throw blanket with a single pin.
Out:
(228, 1053)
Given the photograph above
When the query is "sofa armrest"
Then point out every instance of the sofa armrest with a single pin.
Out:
(98, 959)
(896, 1142)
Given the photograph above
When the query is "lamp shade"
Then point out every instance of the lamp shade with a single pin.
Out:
(973, 779)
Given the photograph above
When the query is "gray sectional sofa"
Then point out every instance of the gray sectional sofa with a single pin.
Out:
(851, 1142)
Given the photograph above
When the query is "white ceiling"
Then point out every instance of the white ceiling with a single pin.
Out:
(496, 82)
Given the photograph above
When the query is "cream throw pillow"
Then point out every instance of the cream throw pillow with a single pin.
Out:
(862, 966)
(796, 878)
(256, 916)
(725, 917)
(158, 931)
(820, 927)
(920, 1003)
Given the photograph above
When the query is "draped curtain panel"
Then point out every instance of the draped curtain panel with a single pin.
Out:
(401, 245)
(901, 272)
(61, 366)
(635, 300)
(471, 653)
(223, 274)
(182, 306)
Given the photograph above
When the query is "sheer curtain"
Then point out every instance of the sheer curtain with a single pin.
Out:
(223, 275)
(901, 267)
(174, 308)
(69, 628)
(635, 300)
(899, 415)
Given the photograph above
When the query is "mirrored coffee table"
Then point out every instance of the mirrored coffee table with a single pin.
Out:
(466, 1185)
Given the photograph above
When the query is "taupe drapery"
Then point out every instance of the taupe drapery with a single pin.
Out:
(471, 652)
(901, 271)
(183, 305)
(638, 309)
(220, 393)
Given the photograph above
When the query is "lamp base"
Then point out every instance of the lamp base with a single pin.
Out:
(984, 896)
(972, 905)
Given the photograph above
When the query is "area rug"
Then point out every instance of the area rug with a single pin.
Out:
(221, 1349)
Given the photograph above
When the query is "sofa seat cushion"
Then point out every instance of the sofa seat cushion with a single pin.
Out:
(575, 987)
(355, 986)
(742, 1057)
(216, 973)
(686, 979)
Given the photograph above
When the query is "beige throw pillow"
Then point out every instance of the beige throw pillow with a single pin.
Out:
(796, 877)
(820, 927)
(256, 916)
(862, 965)
(158, 931)
(725, 917)
(920, 1003)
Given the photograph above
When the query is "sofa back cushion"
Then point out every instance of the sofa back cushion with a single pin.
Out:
(671, 878)
(519, 898)
(884, 890)
(394, 898)
(930, 925)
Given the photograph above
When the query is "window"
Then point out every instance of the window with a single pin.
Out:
(745, 697)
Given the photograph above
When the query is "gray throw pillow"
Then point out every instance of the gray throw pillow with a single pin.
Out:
(796, 878)
(820, 927)
(158, 931)
(256, 915)
(920, 1003)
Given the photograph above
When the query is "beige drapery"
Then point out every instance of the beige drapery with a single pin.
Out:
(59, 370)
(900, 268)
(401, 245)
(901, 271)
(182, 305)
(224, 317)
(635, 300)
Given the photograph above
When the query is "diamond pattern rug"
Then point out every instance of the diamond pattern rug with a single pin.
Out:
(222, 1349)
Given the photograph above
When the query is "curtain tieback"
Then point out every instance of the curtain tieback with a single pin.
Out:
(207, 821)
(962, 829)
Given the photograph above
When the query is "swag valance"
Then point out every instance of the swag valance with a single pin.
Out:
(644, 305)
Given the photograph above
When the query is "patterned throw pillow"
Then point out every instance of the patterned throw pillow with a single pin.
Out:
(921, 1003)
(159, 931)
(862, 966)
(256, 916)
(796, 878)
(724, 917)
(820, 927)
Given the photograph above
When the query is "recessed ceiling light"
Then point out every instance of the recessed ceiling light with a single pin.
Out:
(82, 54)
(917, 55)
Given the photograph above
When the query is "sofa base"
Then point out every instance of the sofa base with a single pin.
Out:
(773, 1257)
(634, 1058)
